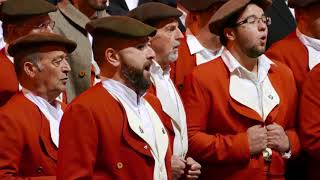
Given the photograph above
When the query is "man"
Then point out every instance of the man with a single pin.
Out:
(165, 44)
(121, 136)
(70, 22)
(29, 122)
(240, 117)
(283, 22)
(299, 50)
(20, 17)
(309, 122)
(199, 45)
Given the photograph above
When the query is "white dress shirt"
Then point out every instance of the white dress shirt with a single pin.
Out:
(203, 54)
(249, 89)
(172, 105)
(140, 113)
(52, 113)
(313, 46)
(132, 4)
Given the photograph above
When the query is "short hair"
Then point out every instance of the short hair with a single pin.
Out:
(34, 58)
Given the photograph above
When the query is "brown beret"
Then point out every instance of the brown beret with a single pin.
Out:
(301, 3)
(199, 5)
(153, 12)
(26, 7)
(31, 43)
(120, 25)
(219, 19)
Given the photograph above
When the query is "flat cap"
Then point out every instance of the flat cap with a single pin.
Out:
(26, 7)
(153, 12)
(35, 41)
(199, 5)
(120, 25)
(220, 18)
(301, 3)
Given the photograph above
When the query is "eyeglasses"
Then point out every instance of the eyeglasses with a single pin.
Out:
(45, 25)
(254, 20)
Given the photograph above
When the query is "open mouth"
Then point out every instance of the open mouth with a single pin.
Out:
(147, 66)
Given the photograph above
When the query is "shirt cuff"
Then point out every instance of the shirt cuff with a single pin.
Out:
(286, 155)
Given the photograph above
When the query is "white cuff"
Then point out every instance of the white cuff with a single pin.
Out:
(286, 155)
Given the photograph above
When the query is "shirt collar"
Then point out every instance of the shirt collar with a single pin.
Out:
(264, 64)
(122, 91)
(156, 70)
(193, 44)
(308, 41)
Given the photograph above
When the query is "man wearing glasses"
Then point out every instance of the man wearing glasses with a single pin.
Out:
(240, 117)
(20, 17)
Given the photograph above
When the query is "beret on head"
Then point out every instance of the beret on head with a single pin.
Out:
(33, 42)
(199, 5)
(221, 17)
(301, 3)
(121, 26)
(153, 12)
(13, 8)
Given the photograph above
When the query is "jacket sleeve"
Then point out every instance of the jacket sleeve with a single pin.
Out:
(77, 144)
(204, 147)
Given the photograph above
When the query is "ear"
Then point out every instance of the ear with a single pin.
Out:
(229, 34)
(30, 69)
(112, 57)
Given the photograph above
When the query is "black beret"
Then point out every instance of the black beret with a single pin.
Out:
(153, 12)
(120, 25)
(33, 42)
(301, 3)
(199, 5)
(219, 19)
(26, 7)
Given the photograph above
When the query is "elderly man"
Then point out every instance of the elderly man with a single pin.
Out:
(199, 46)
(300, 49)
(240, 117)
(121, 135)
(29, 122)
(20, 17)
(165, 44)
(70, 22)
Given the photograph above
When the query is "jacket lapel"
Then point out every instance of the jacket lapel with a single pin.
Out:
(284, 12)
(244, 111)
(73, 14)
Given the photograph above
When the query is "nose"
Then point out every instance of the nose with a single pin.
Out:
(179, 34)
(151, 55)
(66, 67)
(261, 25)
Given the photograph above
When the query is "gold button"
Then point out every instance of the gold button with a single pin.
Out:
(119, 165)
(39, 170)
(82, 74)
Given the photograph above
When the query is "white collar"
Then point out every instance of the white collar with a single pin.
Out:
(123, 91)
(264, 64)
(156, 69)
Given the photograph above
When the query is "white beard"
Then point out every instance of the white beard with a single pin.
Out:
(173, 56)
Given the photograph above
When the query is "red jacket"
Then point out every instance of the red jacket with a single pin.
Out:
(8, 79)
(183, 66)
(294, 54)
(27, 151)
(217, 124)
(309, 121)
(96, 141)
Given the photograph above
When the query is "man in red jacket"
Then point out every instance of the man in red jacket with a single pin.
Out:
(20, 17)
(241, 120)
(114, 130)
(29, 122)
(165, 44)
(300, 49)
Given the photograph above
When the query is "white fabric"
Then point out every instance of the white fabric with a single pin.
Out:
(313, 46)
(255, 92)
(132, 4)
(203, 54)
(144, 121)
(2, 43)
(53, 114)
(93, 62)
(183, 17)
(291, 10)
(172, 105)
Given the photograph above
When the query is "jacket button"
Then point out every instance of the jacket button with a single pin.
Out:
(82, 74)
(39, 170)
(145, 147)
(119, 165)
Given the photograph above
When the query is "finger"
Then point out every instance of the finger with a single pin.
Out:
(271, 127)
(195, 166)
(197, 172)
(192, 177)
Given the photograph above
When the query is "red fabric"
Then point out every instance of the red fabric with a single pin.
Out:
(183, 66)
(294, 54)
(95, 138)
(309, 121)
(8, 79)
(217, 124)
(27, 151)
